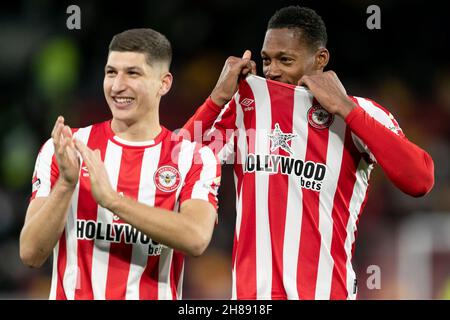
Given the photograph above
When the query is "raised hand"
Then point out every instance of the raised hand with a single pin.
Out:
(329, 92)
(65, 153)
(101, 188)
(227, 83)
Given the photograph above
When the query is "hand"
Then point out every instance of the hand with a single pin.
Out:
(65, 153)
(227, 84)
(329, 92)
(101, 188)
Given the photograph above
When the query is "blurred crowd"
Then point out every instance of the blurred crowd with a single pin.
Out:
(47, 70)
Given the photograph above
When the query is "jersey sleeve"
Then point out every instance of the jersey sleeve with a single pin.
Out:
(378, 135)
(379, 114)
(215, 127)
(203, 179)
(45, 171)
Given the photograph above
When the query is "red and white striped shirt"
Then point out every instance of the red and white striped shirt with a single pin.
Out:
(99, 256)
(301, 180)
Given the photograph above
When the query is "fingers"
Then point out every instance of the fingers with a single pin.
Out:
(247, 55)
(98, 154)
(58, 122)
(83, 150)
(253, 69)
(303, 81)
(57, 129)
(249, 65)
(88, 155)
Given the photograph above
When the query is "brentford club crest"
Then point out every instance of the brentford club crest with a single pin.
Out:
(167, 179)
(319, 118)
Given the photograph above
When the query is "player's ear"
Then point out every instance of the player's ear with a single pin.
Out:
(166, 83)
(322, 57)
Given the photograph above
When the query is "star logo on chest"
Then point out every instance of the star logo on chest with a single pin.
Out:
(279, 139)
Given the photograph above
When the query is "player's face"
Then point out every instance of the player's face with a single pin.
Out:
(286, 57)
(132, 87)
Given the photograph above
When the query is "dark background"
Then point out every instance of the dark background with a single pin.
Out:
(47, 69)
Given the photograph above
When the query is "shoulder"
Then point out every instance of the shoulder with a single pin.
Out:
(98, 129)
(369, 105)
(373, 108)
(379, 113)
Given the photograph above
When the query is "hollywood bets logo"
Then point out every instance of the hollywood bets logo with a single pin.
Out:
(311, 174)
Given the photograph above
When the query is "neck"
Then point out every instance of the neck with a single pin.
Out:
(145, 129)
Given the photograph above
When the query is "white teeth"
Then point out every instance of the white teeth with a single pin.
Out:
(123, 100)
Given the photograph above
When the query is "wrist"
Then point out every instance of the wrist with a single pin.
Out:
(218, 100)
(112, 202)
(346, 107)
(65, 185)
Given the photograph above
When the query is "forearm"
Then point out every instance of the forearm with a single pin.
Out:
(202, 120)
(44, 227)
(409, 167)
(164, 226)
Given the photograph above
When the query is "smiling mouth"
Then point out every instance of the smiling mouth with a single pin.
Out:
(122, 102)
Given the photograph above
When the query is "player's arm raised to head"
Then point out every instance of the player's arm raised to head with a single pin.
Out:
(226, 87)
(47, 213)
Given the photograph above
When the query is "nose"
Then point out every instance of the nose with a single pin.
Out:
(119, 83)
(272, 71)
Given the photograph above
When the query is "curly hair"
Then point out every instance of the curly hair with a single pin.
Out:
(302, 18)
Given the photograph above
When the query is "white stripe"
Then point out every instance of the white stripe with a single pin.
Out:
(146, 195)
(379, 115)
(54, 283)
(165, 262)
(335, 150)
(185, 160)
(242, 153)
(263, 240)
(359, 193)
(240, 162)
(43, 168)
(201, 189)
(71, 272)
(294, 208)
(225, 154)
(100, 255)
(180, 283)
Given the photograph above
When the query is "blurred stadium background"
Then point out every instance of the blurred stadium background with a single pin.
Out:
(47, 70)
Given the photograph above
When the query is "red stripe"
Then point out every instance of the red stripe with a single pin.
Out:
(62, 250)
(359, 215)
(308, 259)
(245, 253)
(148, 286)
(175, 273)
(87, 210)
(120, 253)
(340, 216)
(61, 267)
(282, 108)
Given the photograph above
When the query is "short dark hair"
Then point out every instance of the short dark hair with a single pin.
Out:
(153, 44)
(305, 19)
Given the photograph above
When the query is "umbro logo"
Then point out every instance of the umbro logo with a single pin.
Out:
(85, 171)
(249, 104)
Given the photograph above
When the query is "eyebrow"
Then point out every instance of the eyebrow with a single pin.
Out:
(280, 53)
(131, 68)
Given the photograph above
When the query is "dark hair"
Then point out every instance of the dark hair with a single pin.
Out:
(305, 19)
(153, 44)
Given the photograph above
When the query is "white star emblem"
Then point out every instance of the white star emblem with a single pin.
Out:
(280, 139)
